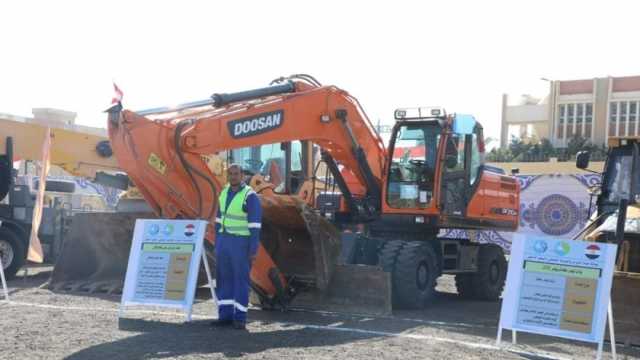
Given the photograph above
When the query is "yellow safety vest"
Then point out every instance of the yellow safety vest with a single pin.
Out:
(233, 219)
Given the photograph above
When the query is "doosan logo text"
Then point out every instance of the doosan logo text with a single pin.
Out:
(256, 124)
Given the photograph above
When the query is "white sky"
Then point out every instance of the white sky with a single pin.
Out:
(459, 54)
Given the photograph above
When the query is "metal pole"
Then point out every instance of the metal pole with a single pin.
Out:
(612, 334)
(4, 281)
(212, 283)
(599, 353)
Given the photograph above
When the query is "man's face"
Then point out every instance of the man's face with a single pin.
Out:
(234, 176)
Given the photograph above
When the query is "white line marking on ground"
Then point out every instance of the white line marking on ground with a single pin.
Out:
(427, 322)
(468, 344)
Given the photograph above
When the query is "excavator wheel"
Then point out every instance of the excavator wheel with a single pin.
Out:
(388, 256)
(414, 270)
(492, 272)
(488, 282)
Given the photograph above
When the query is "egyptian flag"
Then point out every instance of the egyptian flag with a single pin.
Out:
(189, 230)
(592, 251)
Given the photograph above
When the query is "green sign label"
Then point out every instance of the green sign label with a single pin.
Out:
(170, 248)
(562, 270)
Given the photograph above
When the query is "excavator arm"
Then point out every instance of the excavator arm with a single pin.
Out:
(162, 153)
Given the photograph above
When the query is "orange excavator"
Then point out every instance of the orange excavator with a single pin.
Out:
(354, 228)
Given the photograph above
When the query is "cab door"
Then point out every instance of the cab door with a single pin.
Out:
(454, 185)
(461, 172)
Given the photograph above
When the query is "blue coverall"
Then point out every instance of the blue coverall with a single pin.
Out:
(233, 265)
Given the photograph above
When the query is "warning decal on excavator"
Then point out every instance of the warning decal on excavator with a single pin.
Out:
(256, 124)
(157, 163)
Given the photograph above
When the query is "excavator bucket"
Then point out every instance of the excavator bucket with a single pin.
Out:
(95, 254)
(307, 250)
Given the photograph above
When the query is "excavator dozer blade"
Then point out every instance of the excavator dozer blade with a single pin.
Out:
(95, 254)
(307, 250)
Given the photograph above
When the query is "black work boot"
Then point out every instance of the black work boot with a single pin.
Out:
(239, 325)
(221, 323)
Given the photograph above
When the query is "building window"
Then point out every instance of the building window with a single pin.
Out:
(570, 121)
(633, 118)
(613, 118)
(623, 118)
(574, 119)
(588, 120)
(579, 120)
(561, 118)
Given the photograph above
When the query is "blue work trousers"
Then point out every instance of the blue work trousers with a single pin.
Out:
(232, 276)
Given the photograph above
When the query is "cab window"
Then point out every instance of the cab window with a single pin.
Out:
(412, 167)
(476, 161)
(269, 160)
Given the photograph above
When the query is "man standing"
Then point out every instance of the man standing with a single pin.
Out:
(237, 237)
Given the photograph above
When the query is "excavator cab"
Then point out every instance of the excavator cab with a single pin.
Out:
(412, 167)
(436, 171)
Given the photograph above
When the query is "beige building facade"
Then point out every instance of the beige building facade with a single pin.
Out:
(590, 108)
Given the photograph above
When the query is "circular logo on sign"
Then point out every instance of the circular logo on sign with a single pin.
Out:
(540, 246)
(168, 229)
(154, 229)
(562, 248)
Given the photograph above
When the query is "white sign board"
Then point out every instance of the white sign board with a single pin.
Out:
(558, 287)
(163, 263)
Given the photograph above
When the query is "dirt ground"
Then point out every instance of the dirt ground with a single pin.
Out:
(40, 324)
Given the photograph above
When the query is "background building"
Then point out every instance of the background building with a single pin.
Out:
(591, 108)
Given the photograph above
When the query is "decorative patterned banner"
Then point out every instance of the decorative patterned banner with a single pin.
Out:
(550, 206)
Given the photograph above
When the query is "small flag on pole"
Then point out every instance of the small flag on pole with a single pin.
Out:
(117, 96)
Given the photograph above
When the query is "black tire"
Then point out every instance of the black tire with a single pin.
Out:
(387, 258)
(11, 241)
(58, 186)
(389, 254)
(486, 284)
(415, 275)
